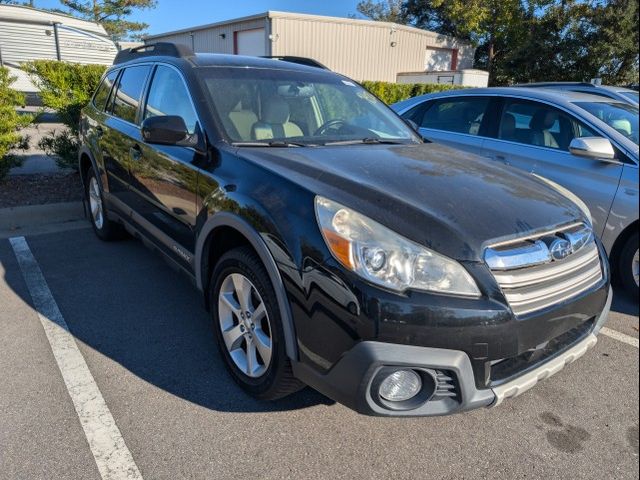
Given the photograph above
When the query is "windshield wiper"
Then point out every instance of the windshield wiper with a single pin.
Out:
(273, 143)
(370, 140)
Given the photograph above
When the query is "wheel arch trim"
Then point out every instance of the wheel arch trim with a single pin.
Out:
(225, 219)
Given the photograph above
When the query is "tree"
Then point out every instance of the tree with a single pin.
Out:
(531, 40)
(112, 14)
(386, 11)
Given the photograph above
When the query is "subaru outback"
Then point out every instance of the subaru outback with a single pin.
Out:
(333, 246)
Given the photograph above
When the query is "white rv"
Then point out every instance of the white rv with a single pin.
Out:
(31, 34)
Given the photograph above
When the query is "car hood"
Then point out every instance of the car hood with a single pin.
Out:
(450, 201)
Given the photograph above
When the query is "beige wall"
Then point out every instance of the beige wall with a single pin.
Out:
(209, 40)
(361, 50)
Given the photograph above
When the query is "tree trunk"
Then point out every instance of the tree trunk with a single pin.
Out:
(490, 56)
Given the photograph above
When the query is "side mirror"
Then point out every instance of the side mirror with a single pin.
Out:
(167, 130)
(592, 147)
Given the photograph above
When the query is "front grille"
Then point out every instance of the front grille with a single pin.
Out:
(502, 371)
(531, 279)
(445, 385)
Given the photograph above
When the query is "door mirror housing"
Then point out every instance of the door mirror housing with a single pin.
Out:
(413, 125)
(168, 130)
(597, 148)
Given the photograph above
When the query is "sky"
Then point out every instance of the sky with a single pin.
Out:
(176, 14)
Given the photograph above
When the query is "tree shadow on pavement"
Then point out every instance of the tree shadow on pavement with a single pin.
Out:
(125, 302)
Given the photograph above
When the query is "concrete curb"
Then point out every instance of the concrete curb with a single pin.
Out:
(20, 220)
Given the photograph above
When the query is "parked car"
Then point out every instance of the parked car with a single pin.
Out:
(332, 246)
(585, 143)
(622, 94)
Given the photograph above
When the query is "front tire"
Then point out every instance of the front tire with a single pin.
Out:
(628, 265)
(104, 228)
(248, 328)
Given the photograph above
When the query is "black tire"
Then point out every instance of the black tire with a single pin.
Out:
(626, 265)
(108, 230)
(278, 380)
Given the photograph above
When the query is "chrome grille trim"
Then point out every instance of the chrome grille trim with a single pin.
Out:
(534, 286)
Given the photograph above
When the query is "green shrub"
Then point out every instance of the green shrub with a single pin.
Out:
(391, 93)
(10, 123)
(65, 88)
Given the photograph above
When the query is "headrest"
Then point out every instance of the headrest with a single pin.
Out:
(542, 120)
(276, 110)
(508, 123)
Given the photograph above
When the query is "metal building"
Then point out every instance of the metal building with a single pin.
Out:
(360, 49)
(31, 34)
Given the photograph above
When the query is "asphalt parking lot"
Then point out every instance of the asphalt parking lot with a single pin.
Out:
(146, 340)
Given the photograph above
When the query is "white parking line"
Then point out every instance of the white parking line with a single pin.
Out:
(113, 458)
(621, 337)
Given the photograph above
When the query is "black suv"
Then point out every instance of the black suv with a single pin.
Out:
(334, 247)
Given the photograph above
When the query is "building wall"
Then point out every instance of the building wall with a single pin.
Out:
(209, 40)
(362, 50)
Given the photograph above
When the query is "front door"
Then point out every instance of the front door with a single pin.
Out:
(164, 178)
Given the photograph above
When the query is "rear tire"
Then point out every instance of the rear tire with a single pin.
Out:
(628, 265)
(252, 346)
(104, 228)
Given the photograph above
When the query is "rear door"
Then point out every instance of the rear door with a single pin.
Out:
(535, 137)
(164, 178)
(458, 122)
(121, 132)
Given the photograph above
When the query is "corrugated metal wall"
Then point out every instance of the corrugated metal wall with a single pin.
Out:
(25, 35)
(359, 49)
(210, 39)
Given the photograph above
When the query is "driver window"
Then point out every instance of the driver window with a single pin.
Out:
(169, 96)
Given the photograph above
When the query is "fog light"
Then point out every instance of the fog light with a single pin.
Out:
(401, 385)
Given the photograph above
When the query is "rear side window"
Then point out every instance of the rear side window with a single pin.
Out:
(169, 96)
(129, 92)
(458, 115)
(102, 94)
(540, 125)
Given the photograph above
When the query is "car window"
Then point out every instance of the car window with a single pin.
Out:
(540, 125)
(168, 95)
(312, 107)
(620, 116)
(127, 97)
(459, 115)
(102, 94)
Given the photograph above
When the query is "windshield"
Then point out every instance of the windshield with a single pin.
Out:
(299, 108)
(620, 116)
(632, 95)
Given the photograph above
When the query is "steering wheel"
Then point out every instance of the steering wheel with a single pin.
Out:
(335, 124)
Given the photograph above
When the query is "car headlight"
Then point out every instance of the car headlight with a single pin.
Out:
(385, 258)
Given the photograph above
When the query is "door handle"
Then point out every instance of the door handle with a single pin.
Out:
(135, 152)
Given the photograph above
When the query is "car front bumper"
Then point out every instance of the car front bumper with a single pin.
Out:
(350, 380)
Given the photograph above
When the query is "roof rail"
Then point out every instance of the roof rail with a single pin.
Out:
(166, 49)
(552, 84)
(309, 62)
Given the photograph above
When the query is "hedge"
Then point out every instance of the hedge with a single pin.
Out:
(65, 88)
(10, 123)
(395, 92)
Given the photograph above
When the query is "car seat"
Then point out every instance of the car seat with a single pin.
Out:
(540, 124)
(508, 127)
(243, 120)
(275, 121)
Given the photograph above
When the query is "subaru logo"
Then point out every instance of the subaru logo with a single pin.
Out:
(560, 249)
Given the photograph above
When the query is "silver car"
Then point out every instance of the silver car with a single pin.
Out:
(622, 94)
(588, 144)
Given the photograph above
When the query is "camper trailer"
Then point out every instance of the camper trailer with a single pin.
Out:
(30, 34)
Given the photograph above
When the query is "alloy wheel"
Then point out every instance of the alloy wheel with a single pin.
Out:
(635, 268)
(95, 203)
(245, 326)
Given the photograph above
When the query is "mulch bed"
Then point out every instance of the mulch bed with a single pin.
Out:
(20, 190)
